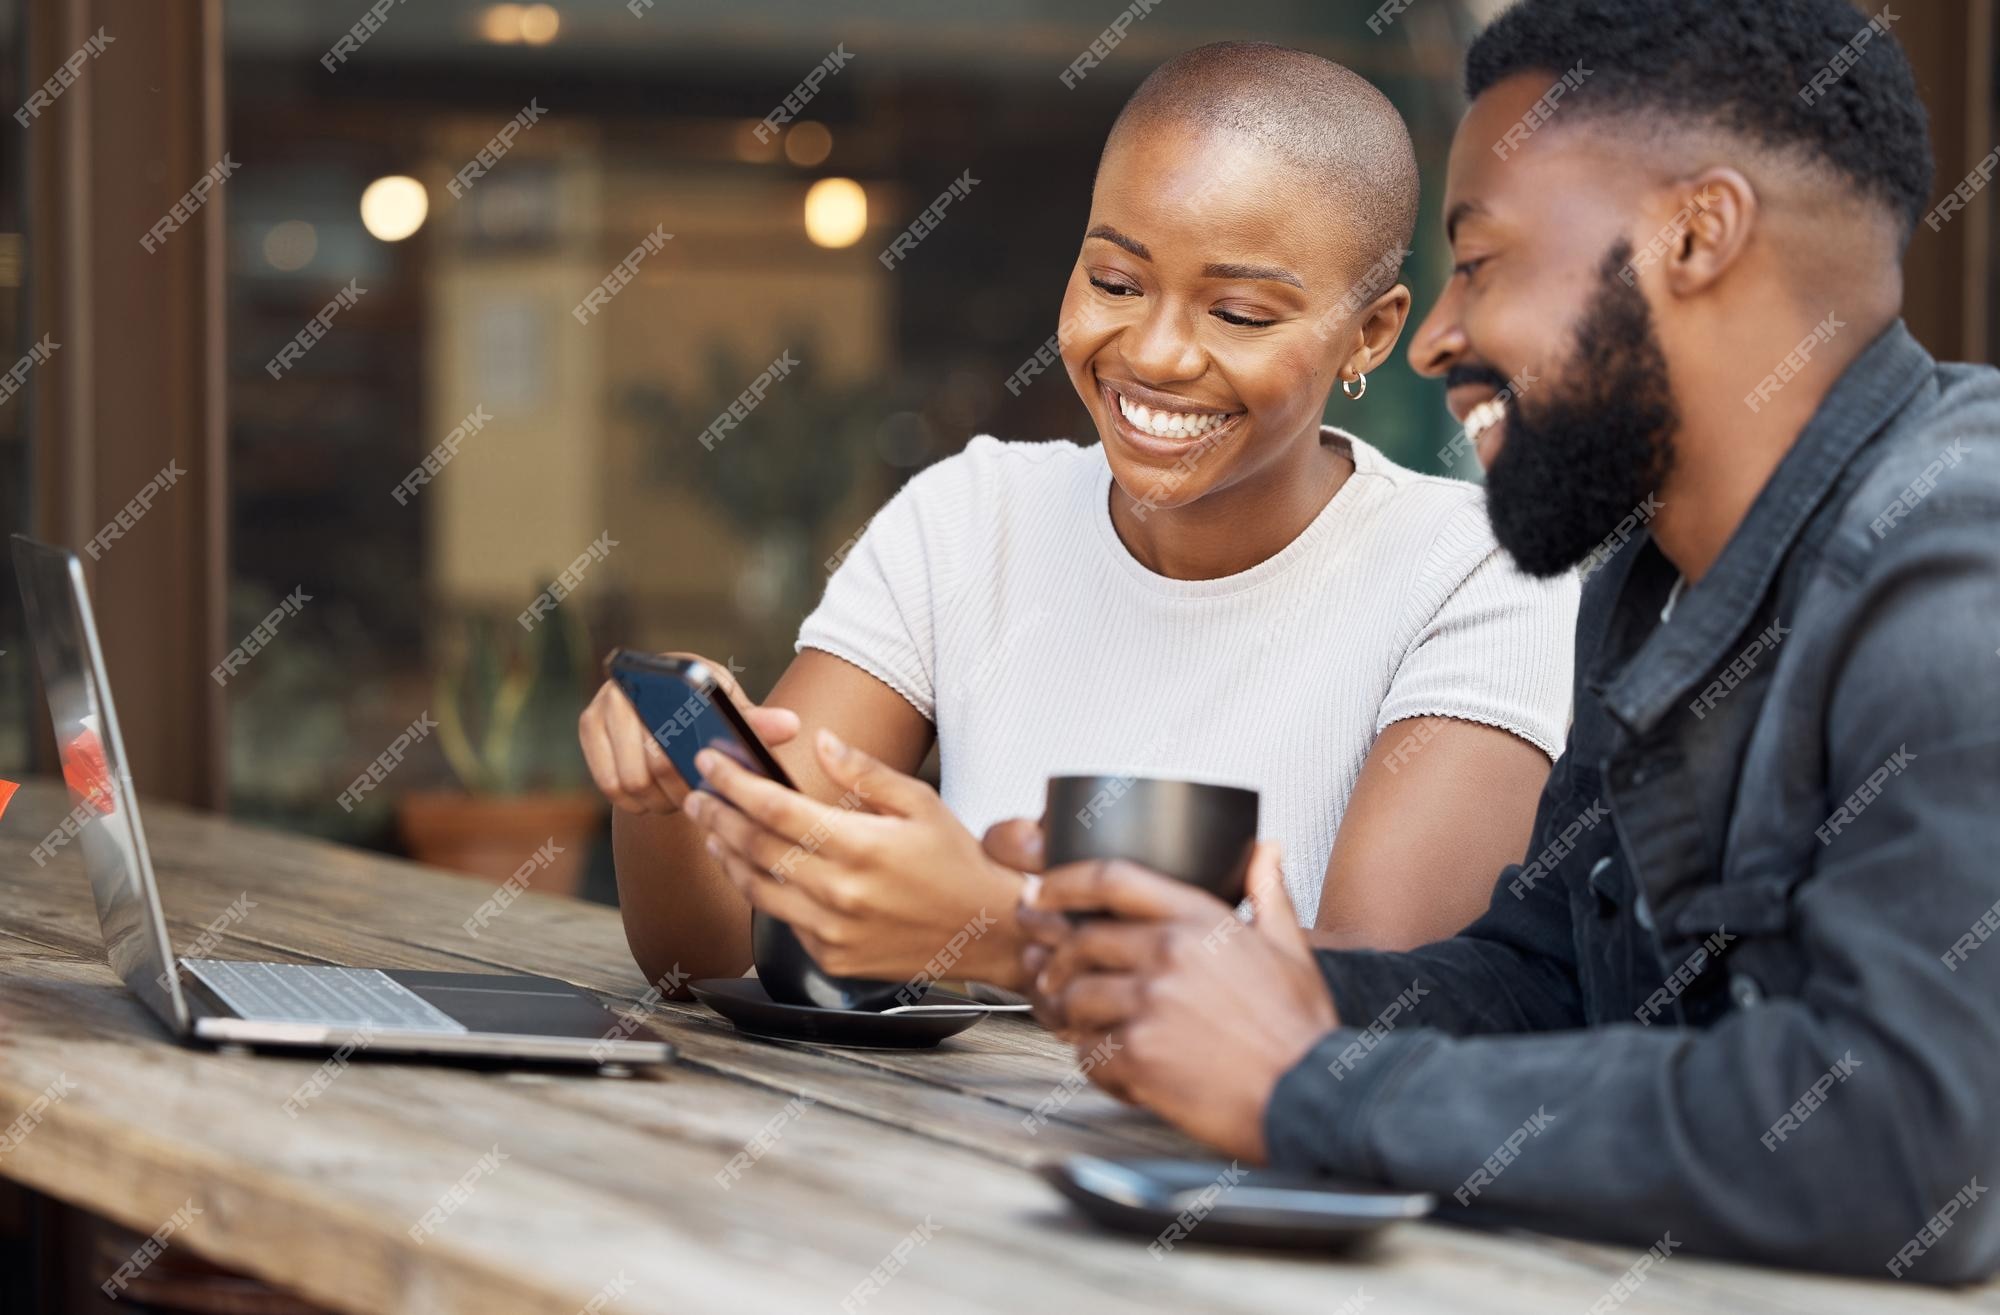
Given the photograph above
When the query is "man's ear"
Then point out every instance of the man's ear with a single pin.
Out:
(1722, 212)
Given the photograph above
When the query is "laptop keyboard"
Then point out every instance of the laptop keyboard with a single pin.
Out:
(331, 997)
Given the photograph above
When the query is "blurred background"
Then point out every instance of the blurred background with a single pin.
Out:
(346, 145)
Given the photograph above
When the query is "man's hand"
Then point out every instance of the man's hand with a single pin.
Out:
(1015, 843)
(886, 883)
(1205, 1012)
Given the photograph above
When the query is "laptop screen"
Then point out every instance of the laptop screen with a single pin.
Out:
(103, 821)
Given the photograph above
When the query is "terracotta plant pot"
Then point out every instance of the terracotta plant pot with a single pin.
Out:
(495, 836)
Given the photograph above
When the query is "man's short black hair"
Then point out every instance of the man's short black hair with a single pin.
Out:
(1748, 68)
(1309, 111)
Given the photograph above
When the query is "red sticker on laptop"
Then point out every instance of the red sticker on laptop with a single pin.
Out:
(86, 772)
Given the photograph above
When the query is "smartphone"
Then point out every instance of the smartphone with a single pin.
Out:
(687, 710)
(1224, 1205)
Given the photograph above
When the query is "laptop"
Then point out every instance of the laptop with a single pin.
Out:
(268, 1005)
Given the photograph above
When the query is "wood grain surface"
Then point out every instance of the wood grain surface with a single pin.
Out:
(877, 1181)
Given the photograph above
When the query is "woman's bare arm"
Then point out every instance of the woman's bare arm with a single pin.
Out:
(1441, 807)
(680, 911)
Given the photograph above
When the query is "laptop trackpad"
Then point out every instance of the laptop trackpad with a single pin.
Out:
(495, 1002)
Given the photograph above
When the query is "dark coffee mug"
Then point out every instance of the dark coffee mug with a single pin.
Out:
(791, 977)
(1189, 830)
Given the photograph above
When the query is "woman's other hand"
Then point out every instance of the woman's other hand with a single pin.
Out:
(885, 882)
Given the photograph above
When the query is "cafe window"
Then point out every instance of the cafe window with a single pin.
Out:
(497, 285)
(585, 246)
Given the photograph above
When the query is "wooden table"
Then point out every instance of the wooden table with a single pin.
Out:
(916, 1162)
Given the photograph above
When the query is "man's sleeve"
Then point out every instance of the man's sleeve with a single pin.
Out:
(1514, 970)
(1847, 1128)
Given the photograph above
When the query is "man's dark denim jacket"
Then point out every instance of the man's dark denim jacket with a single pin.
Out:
(1740, 997)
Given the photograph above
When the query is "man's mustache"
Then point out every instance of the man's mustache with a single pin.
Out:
(1459, 375)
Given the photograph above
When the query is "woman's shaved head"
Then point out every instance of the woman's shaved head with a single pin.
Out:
(1310, 112)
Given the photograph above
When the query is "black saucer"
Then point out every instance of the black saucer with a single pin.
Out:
(742, 1001)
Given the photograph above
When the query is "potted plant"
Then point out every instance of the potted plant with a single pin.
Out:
(506, 709)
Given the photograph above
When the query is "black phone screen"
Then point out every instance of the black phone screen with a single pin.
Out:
(687, 711)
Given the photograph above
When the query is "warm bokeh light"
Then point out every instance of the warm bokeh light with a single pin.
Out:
(508, 25)
(836, 212)
(539, 24)
(394, 207)
(291, 245)
(808, 143)
(751, 148)
(501, 23)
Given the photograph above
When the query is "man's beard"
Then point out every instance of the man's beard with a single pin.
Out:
(1589, 452)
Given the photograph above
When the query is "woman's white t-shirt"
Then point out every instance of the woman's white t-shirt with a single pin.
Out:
(995, 595)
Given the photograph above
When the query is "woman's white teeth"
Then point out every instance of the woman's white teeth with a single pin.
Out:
(1167, 424)
(1483, 417)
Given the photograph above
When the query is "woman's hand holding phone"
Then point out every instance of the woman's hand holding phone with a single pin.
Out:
(886, 883)
(627, 763)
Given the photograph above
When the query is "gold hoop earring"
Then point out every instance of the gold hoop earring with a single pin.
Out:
(1357, 394)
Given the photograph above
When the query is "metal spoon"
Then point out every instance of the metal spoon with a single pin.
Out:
(959, 1009)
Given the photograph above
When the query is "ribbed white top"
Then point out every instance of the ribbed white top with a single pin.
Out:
(994, 593)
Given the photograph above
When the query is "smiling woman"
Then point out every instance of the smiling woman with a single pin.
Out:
(1221, 588)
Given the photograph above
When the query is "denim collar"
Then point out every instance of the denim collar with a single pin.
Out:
(1712, 616)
